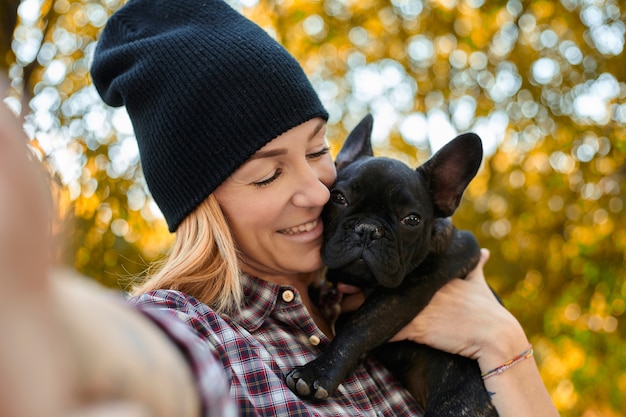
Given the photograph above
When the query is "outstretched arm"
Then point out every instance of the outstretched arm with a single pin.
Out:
(70, 347)
(465, 318)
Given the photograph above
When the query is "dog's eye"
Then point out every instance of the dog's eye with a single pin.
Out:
(338, 198)
(411, 220)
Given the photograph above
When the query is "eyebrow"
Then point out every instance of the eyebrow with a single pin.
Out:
(276, 152)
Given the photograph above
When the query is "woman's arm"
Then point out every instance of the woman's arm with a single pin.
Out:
(118, 354)
(70, 347)
(465, 318)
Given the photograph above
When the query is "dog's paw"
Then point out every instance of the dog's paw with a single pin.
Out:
(306, 384)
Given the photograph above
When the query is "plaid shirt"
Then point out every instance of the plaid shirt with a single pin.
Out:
(272, 334)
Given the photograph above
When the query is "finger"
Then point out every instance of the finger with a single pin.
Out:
(23, 214)
(401, 335)
(478, 274)
(351, 302)
(484, 256)
(347, 289)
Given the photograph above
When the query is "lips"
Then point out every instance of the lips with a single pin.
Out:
(302, 228)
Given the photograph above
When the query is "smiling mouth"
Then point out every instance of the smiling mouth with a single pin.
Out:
(305, 227)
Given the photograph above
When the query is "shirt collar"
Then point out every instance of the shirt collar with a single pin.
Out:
(260, 299)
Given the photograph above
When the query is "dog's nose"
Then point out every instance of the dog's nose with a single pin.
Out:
(368, 229)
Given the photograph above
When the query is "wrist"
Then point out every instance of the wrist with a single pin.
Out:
(504, 342)
(509, 364)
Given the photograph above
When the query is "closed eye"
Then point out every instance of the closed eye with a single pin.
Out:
(316, 155)
(268, 181)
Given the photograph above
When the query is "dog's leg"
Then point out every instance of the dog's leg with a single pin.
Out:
(365, 329)
(384, 313)
(446, 385)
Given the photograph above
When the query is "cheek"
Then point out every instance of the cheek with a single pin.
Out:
(252, 220)
(248, 236)
(237, 217)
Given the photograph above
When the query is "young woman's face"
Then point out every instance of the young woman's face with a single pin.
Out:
(273, 203)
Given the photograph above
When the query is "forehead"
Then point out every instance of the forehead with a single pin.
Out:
(386, 171)
(303, 133)
(383, 178)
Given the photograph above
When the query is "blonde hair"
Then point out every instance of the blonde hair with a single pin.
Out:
(202, 261)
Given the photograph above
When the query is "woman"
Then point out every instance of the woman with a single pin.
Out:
(232, 144)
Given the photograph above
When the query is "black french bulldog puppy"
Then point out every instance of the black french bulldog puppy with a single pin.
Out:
(387, 230)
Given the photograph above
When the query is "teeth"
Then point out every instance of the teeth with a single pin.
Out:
(306, 227)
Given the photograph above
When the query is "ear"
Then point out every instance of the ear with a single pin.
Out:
(450, 170)
(357, 144)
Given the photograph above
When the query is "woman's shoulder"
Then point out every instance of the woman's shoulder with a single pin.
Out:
(206, 321)
(169, 299)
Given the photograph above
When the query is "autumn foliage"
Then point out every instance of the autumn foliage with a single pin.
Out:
(542, 82)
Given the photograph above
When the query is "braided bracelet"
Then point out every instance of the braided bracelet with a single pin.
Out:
(497, 371)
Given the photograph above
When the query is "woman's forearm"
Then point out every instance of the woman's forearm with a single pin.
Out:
(517, 390)
(68, 344)
(520, 392)
(465, 318)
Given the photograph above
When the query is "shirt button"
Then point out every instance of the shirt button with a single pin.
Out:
(314, 340)
(288, 296)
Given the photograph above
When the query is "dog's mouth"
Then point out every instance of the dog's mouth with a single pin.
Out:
(355, 273)
(363, 270)
(365, 250)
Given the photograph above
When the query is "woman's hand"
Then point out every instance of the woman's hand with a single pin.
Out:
(464, 317)
(34, 380)
(352, 297)
(52, 361)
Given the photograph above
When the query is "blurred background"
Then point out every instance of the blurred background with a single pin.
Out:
(542, 82)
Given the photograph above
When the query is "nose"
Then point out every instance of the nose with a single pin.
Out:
(311, 189)
(368, 230)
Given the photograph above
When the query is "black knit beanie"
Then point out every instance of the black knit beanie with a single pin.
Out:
(205, 88)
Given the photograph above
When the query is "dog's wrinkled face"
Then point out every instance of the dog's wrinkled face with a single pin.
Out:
(378, 223)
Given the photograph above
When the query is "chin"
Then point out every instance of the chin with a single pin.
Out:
(311, 266)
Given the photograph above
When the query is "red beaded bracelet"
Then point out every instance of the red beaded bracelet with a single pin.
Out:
(497, 371)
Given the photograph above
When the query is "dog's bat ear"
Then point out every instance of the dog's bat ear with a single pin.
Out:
(358, 143)
(449, 171)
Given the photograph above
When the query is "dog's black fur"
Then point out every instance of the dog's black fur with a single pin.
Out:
(387, 230)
